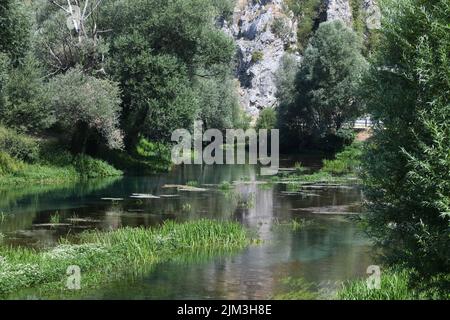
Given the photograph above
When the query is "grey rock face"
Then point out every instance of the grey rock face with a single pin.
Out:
(372, 13)
(339, 9)
(260, 47)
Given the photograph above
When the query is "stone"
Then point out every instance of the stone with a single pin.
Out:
(339, 9)
(252, 30)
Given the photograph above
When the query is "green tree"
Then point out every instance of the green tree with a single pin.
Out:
(267, 119)
(83, 106)
(327, 84)
(285, 79)
(408, 160)
(14, 30)
(218, 102)
(4, 66)
(60, 46)
(158, 48)
(26, 106)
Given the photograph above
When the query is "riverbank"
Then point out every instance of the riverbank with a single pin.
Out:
(395, 284)
(27, 160)
(107, 256)
(344, 168)
(63, 168)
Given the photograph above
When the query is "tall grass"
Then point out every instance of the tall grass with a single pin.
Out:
(395, 285)
(54, 167)
(345, 162)
(343, 168)
(106, 256)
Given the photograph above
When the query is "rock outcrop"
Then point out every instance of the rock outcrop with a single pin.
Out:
(339, 9)
(372, 14)
(263, 31)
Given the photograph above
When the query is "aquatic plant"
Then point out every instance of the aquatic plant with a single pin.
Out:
(55, 219)
(395, 285)
(107, 256)
(296, 289)
(293, 224)
(192, 183)
(299, 168)
(225, 186)
(246, 201)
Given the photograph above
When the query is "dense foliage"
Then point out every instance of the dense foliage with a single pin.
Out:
(408, 163)
(115, 73)
(157, 49)
(326, 86)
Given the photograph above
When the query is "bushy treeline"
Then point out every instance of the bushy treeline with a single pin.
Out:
(408, 161)
(320, 94)
(124, 71)
(405, 87)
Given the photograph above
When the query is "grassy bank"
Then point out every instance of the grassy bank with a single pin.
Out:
(14, 172)
(25, 160)
(104, 257)
(395, 285)
(344, 168)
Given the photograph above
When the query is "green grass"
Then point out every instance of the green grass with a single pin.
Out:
(26, 160)
(106, 256)
(395, 285)
(192, 183)
(296, 289)
(299, 168)
(345, 162)
(55, 219)
(53, 168)
(344, 168)
(225, 186)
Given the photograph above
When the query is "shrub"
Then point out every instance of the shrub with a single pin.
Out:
(89, 167)
(307, 11)
(9, 165)
(280, 27)
(267, 119)
(18, 145)
(153, 150)
(407, 164)
(257, 56)
(27, 102)
(83, 103)
(347, 161)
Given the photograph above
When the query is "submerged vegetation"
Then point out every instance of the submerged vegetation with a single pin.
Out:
(106, 256)
(344, 168)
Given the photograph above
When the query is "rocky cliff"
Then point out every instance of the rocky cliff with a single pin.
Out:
(264, 30)
(339, 9)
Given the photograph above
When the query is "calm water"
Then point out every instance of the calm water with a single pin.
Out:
(328, 250)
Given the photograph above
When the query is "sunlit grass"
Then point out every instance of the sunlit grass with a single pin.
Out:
(106, 256)
(395, 285)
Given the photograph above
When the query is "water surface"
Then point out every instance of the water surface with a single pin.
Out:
(328, 249)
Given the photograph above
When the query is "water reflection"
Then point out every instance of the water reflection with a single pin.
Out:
(328, 249)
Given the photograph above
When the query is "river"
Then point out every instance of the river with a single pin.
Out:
(314, 259)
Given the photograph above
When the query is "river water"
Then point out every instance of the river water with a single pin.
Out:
(311, 260)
